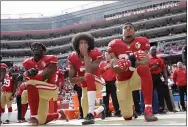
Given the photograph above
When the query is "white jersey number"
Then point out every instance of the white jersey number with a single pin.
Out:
(6, 82)
(123, 56)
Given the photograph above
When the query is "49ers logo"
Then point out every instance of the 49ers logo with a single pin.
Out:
(137, 45)
(43, 64)
(82, 69)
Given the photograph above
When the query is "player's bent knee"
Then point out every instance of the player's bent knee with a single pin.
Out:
(142, 68)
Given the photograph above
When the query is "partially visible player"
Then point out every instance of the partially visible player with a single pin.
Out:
(8, 89)
(84, 69)
(3, 71)
(41, 85)
(60, 84)
(61, 80)
(130, 62)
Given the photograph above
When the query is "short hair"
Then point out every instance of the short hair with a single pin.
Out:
(82, 36)
(38, 43)
(153, 47)
(179, 63)
(128, 23)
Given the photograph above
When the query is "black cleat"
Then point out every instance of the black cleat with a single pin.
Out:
(108, 114)
(135, 114)
(103, 113)
(118, 114)
(89, 119)
(6, 122)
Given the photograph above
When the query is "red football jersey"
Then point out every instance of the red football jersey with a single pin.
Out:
(123, 50)
(156, 60)
(7, 85)
(21, 88)
(41, 65)
(108, 74)
(60, 81)
(78, 64)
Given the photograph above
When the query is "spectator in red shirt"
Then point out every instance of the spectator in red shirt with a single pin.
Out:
(109, 76)
(180, 79)
(160, 80)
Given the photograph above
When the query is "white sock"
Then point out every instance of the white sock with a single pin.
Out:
(146, 105)
(9, 115)
(36, 116)
(91, 101)
(59, 115)
(99, 110)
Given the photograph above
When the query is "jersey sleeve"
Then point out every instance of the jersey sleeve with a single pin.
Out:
(25, 64)
(145, 44)
(97, 55)
(101, 67)
(70, 59)
(53, 59)
(110, 47)
(163, 63)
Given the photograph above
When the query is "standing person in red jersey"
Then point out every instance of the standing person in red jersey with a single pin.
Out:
(160, 80)
(180, 79)
(109, 76)
(3, 72)
(61, 80)
(41, 85)
(60, 84)
(8, 89)
(130, 62)
(84, 69)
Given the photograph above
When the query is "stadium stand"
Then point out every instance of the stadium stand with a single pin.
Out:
(161, 21)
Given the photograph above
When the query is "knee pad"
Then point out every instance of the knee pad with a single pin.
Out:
(90, 80)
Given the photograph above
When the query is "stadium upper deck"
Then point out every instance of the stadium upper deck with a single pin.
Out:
(153, 19)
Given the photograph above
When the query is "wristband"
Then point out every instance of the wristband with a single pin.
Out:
(132, 58)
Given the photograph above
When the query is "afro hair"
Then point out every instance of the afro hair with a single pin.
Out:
(82, 36)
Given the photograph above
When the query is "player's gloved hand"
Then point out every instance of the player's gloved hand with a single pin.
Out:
(32, 72)
(139, 55)
(19, 77)
(123, 63)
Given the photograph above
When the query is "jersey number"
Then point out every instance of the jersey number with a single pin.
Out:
(6, 82)
(123, 56)
(56, 78)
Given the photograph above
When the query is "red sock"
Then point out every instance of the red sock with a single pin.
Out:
(10, 109)
(2, 110)
(33, 99)
(23, 111)
(146, 83)
(51, 116)
(55, 106)
(95, 114)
